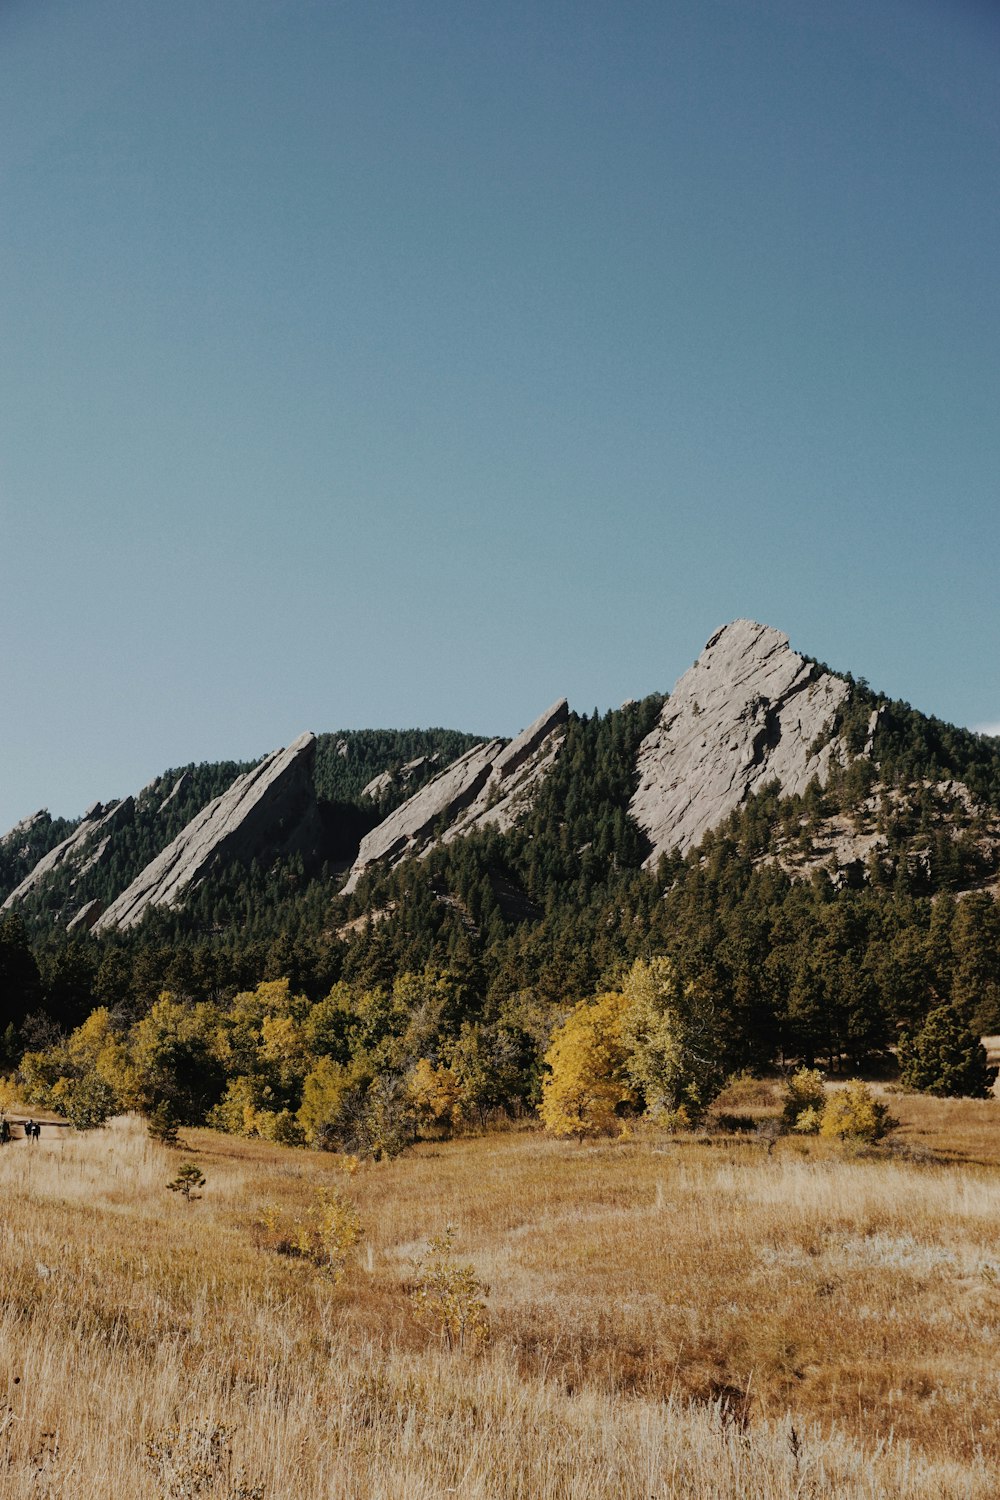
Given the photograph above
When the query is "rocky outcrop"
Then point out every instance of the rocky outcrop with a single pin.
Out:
(748, 712)
(515, 775)
(270, 809)
(21, 832)
(383, 785)
(85, 917)
(180, 785)
(490, 784)
(86, 846)
(379, 787)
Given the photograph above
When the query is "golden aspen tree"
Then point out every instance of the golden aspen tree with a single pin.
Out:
(587, 1084)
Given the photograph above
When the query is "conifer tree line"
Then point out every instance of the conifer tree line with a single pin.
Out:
(271, 1006)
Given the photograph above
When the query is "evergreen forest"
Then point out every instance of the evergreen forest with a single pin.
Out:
(271, 1005)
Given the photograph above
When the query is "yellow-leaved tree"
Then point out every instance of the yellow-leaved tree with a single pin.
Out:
(587, 1083)
(435, 1095)
(673, 1041)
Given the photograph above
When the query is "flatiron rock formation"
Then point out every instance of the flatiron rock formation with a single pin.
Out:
(20, 831)
(271, 808)
(746, 713)
(491, 784)
(388, 782)
(86, 847)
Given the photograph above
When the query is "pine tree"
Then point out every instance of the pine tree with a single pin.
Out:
(946, 1058)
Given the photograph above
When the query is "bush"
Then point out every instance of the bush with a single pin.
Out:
(378, 1122)
(89, 1101)
(945, 1058)
(435, 1095)
(330, 1233)
(449, 1298)
(853, 1113)
(804, 1101)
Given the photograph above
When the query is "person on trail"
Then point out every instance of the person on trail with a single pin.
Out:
(29, 1131)
(36, 1130)
(4, 1131)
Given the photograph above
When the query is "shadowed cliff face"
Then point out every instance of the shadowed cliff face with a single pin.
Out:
(746, 713)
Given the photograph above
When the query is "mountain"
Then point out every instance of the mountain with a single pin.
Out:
(750, 711)
(750, 714)
(487, 787)
(273, 807)
(818, 862)
(127, 856)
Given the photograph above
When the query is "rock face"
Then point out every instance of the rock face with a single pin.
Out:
(491, 784)
(390, 781)
(180, 785)
(746, 713)
(20, 831)
(272, 807)
(87, 846)
(85, 917)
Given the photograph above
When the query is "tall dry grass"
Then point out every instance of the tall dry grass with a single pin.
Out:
(671, 1318)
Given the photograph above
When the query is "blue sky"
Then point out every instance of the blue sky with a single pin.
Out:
(407, 363)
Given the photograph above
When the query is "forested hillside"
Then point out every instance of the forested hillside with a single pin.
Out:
(818, 928)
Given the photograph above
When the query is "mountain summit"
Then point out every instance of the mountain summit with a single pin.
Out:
(868, 787)
(748, 712)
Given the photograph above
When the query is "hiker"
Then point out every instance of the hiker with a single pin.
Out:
(36, 1130)
(29, 1130)
(4, 1131)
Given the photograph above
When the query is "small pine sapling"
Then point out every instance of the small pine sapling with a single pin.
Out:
(188, 1178)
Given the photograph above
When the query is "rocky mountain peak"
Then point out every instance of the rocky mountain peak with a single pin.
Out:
(86, 846)
(273, 807)
(748, 712)
(490, 785)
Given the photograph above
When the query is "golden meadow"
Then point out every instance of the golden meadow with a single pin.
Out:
(699, 1315)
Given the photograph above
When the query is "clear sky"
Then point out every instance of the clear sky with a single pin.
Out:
(412, 362)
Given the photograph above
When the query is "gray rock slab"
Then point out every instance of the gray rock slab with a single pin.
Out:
(98, 823)
(272, 807)
(747, 712)
(491, 783)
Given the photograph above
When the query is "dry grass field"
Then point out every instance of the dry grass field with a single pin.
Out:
(670, 1317)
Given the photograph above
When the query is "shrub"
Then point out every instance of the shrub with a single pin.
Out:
(330, 1233)
(89, 1101)
(187, 1461)
(325, 1237)
(449, 1298)
(435, 1094)
(378, 1121)
(804, 1096)
(280, 1126)
(853, 1113)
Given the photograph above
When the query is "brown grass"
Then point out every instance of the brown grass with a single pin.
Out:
(672, 1317)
